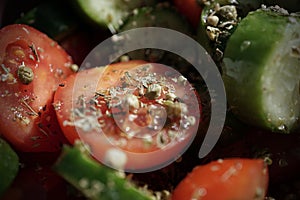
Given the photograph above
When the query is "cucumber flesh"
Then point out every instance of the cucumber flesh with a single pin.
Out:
(109, 13)
(281, 99)
(261, 70)
(9, 165)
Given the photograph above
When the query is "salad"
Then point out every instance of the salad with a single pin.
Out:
(131, 128)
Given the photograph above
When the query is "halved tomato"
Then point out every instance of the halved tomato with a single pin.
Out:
(234, 178)
(139, 114)
(31, 68)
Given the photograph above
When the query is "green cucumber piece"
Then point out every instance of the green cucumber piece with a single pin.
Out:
(94, 180)
(109, 13)
(51, 18)
(261, 69)
(9, 165)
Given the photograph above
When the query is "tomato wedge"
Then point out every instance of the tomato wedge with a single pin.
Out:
(31, 68)
(142, 114)
(226, 179)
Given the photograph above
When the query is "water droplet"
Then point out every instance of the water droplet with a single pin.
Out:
(115, 158)
(199, 193)
(282, 127)
(245, 45)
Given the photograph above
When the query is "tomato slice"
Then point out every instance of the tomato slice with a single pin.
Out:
(144, 113)
(233, 178)
(31, 68)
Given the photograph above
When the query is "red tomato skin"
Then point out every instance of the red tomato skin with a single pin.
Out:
(27, 116)
(190, 9)
(225, 180)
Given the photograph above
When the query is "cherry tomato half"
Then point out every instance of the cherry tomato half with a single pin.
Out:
(145, 114)
(31, 68)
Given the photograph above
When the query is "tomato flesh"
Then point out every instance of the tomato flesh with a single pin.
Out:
(27, 117)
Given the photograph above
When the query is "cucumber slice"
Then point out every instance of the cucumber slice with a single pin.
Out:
(94, 180)
(261, 69)
(109, 13)
(9, 165)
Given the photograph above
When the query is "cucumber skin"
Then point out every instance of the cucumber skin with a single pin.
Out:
(244, 93)
(74, 165)
(9, 165)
